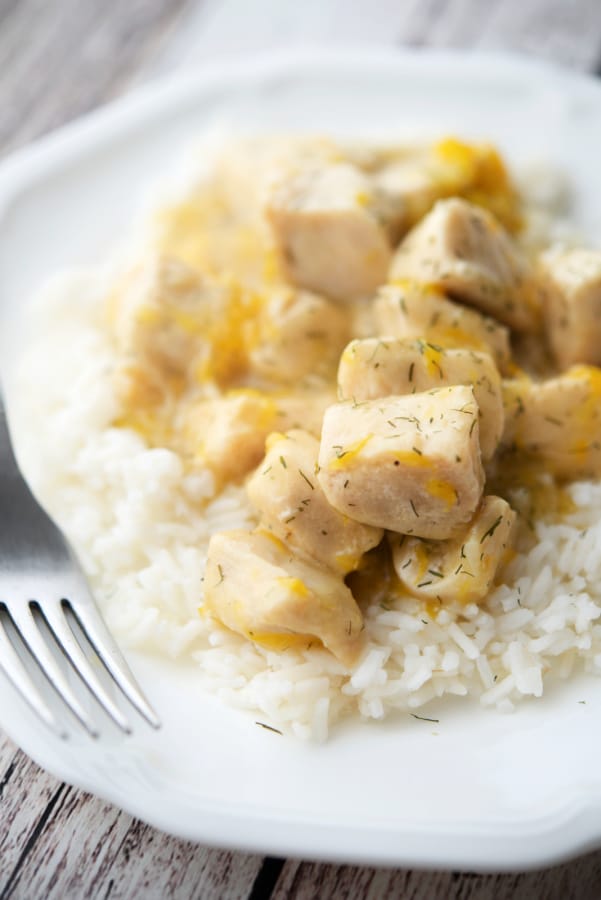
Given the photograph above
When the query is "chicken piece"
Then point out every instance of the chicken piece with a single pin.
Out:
(405, 190)
(409, 181)
(327, 231)
(379, 367)
(258, 588)
(303, 409)
(572, 280)
(159, 315)
(293, 506)
(300, 335)
(409, 464)
(461, 249)
(246, 170)
(228, 433)
(557, 421)
(462, 569)
(410, 310)
(173, 323)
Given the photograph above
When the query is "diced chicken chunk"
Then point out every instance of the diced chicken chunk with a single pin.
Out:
(246, 170)
(409, 182)
(557, 421)
(300, 335)
(327, 231)
(462, 249)
(379, 367)
(408, 310)
(406, 189)
(256, 587)
(572, 280)
(462, 569)
(159, 314)
(303, 409)
(409, 464)
(293, 505)
(228, 433)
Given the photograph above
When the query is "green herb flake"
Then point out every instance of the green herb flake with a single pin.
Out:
(269, 728)
(302, 475)
(492, 529)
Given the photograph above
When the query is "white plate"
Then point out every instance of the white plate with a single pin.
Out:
(478, 789)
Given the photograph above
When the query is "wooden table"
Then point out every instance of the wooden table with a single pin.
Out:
(58, 59)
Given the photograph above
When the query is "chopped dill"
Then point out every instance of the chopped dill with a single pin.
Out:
(339, 451)
(492, 529)
(310, 483)
(269, 728)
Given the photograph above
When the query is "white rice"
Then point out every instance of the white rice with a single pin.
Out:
(140, 525)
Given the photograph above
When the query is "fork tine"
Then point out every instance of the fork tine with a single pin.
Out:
(55, 617)
(15, 671)
(104, 644)
(27, 627)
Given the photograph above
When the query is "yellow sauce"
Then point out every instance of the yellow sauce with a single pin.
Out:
(347, 455)
(433, 358)
(294, 586)
(477, 173)
(280, 641)
(442, 490)
(412, 459)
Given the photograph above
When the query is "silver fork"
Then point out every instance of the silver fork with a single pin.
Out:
(40, 579)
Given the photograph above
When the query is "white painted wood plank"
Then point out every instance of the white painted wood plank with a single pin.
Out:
(232, 27)
(61, 59)
(58, 843)
(579, 880)
(562, 31)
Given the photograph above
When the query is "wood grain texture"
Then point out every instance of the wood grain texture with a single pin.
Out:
(59, 59)
(62, 58)
(57, 842)
(306, 881)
